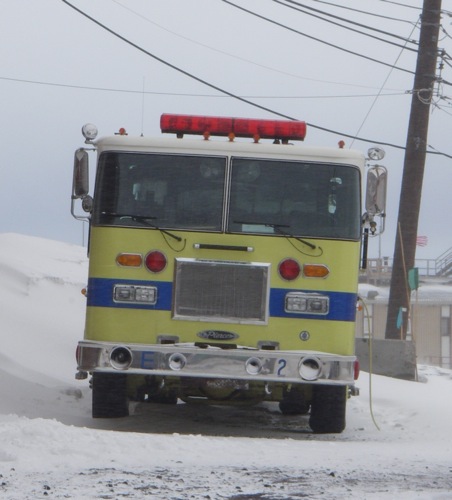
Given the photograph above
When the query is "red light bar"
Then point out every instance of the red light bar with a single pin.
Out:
(237, 127)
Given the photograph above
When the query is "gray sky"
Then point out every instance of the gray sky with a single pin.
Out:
(59, 70)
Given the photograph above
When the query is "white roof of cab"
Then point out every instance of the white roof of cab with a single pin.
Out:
(222, 146)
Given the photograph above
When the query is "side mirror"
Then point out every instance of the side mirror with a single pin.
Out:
(80, 182)
(377, 177)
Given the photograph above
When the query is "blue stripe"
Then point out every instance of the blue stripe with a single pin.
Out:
(100, 294)
(342, 305)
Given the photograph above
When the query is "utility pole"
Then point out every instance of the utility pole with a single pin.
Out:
(413, 171)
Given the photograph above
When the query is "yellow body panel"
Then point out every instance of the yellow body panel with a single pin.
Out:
(129, 325)
(341, 257)
(143, 327)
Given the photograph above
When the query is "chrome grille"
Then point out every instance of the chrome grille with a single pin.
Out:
(225, 291)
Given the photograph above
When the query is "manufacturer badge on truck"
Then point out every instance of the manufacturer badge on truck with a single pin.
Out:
(217, 335)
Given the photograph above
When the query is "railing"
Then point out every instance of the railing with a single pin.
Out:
(379, 270)
(444, 264)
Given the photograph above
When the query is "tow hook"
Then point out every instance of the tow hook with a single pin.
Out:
(353, 390)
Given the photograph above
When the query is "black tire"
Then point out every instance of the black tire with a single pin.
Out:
(328, 409)
(294, 403)
(109, 395)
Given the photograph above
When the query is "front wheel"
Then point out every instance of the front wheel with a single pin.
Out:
(328, 409)
(109, 395)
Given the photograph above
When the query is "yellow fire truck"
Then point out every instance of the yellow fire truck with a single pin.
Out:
(223, 268)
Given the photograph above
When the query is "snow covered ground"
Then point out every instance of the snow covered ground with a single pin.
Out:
(51, 448)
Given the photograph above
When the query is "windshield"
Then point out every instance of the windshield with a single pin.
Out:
(286, 198)
(168, 191)
(295, 198)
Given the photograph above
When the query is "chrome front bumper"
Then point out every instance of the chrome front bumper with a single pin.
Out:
(241, 363)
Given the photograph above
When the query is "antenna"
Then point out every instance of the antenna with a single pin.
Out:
(142, 106)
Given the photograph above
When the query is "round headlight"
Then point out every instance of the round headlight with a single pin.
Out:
(376, 153)
(89, 131)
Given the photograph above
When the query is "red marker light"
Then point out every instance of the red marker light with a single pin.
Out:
(155, 261)
(289, 269)
(284, 130)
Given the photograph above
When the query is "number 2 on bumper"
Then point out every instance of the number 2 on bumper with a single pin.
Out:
(282, 364)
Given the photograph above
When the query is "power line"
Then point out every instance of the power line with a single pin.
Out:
(402, 4)
(381, 90)
(230, 94)
(363, 12)
(184, 94)
(172, 66)
(248, 61)
(300, 8)
(66, 85)
(315, 38)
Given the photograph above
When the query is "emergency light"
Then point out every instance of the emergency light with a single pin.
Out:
(283, 130)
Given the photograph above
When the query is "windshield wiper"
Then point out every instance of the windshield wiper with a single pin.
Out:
(278, 229)
(143, 220)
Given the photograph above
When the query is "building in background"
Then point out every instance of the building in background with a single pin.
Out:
(429, 326)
